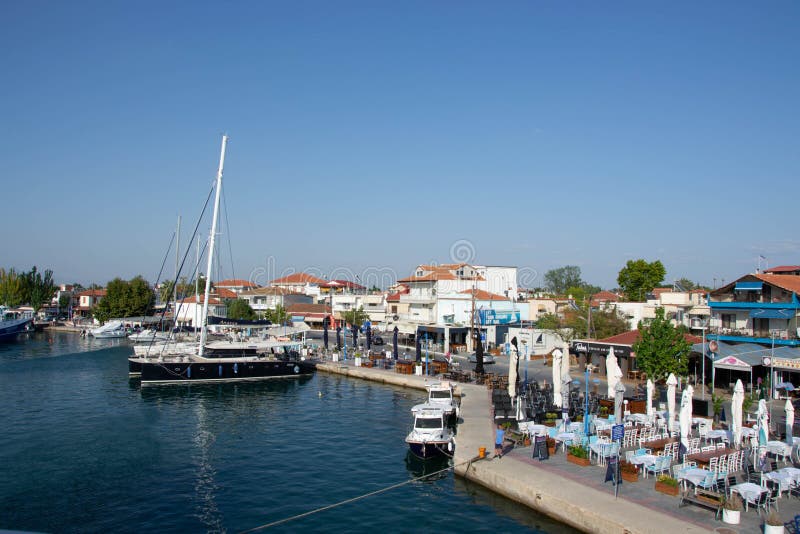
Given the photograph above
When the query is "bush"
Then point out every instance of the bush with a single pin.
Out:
(733, 503)
(773, 519)
(577, 451)
(667, 480)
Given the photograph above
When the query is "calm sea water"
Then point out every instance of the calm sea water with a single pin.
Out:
(85, 449)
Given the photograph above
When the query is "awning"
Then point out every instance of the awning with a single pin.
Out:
(749, 286)
(699, 310)
(772, 313)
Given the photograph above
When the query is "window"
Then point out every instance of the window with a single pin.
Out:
(394, 309)
(728, 320)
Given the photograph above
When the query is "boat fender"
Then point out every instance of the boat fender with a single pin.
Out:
(450, 446)
(220, 370)
(296, 369)
(189, 372)
(235, 367)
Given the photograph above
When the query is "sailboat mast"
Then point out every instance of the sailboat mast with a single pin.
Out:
(177, 260)
(204, 317)
(196, 281)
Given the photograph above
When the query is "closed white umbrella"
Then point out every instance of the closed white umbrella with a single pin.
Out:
(736, 412)
(650, 389)
(671, 383)
(557, 377)
(513, 360)
(685, 417)
(763, 423)
(789, 421)
(613, 373)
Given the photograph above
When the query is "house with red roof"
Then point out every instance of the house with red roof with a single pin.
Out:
(305, 283)
(190, 309)
(237, 285)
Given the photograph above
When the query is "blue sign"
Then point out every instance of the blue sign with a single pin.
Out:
(617, 431)
(498, 317)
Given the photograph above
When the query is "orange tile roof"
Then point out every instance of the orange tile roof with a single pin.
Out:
(782, 269)
(299, 308)
(235, 282)
(299, 278)
(789, 282)
(432, 277)
(480, 294)
(93, 293)
(263, 291)
(604, 296)
(200, 299)
(659, 290)
(224, 293)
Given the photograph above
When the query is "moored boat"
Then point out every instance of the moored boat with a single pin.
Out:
(13, 323)
(430, 436)
(441, 395)
(110, 330)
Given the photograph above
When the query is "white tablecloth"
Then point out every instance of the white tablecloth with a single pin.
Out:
(693, 475)
(792, 472)
(565, 436)
(532, 429)
(748, 432)
(716, 434)
(644, 460)
(698, 420)
(784, 480)
(637, 417)
(749, 491)
(778, 447)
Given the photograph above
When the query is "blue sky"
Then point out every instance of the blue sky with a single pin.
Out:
(373, 136)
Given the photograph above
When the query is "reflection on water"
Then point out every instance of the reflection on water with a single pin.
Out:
(432, 469)
(48, 344)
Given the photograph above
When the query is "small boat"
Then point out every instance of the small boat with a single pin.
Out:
(147, 336)
(441, 395)
(13, 323)
(110, 330)
(430, 437)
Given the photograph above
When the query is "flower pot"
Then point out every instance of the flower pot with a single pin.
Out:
(551, 450)
(732, 517)
(527, 442)
(578, 461)
(628, 476)
(773, 529)
(667, 489)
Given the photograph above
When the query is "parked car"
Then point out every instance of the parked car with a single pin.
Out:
(487, 358)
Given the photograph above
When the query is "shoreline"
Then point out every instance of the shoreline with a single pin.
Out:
(540, 488)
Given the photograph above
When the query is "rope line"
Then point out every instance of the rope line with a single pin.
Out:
(352, 499)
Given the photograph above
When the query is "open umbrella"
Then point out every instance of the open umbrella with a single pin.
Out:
(613, 373)
(368, 332)
(671, 383)
(763, 423)
(394, 344)
(789, 408)
(325, 332)
(338, 336)
(557, 377)
(736, 412)
(650, 389)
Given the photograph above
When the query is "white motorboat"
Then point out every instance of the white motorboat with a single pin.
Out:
(112, 329)
(430, 436)
(441, 395)
(148, 336)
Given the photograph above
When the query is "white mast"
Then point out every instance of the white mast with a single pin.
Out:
(196, 283)
(177, 260)
(204, 317)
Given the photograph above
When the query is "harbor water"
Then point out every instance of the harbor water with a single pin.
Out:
(87, 449)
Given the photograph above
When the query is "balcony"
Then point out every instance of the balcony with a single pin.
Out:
(782, 337)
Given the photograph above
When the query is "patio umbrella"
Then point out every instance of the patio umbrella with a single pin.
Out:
(338, 336)
(736, 412)
(369, 337)
(565, 382)
(650, 389)
(418, 348)
(763, 423)
(685, 417)
(557, 378)
(325, 333)
(789, 408)
(354, 330)
(671, 383)
(394, 343)
(619, 393)
(513, 362)
(613, 373)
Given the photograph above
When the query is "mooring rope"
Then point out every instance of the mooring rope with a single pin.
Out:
(354, 499)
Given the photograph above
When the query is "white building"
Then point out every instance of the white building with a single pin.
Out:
(190, 311)
(307, 284)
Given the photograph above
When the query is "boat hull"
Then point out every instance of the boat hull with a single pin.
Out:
(9, 330)
(430, 449)
(218, 371)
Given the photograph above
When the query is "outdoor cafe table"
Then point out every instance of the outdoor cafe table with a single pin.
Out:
(778, 447)
(563, 437)
(716, 434)
(644, 460)
(658, 444)
(693, 475)
(784, 480)
(750, 492)
(703, 458)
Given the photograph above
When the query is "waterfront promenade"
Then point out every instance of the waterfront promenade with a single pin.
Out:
(571, 494)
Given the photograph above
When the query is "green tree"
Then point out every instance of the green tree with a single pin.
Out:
(126, 299)
(63, 303)
(165, 292)
(685, 284)
(608, 322)
(559, 280)
(548, 321)
(639, 277)
(40, 289)
(240, 309)
(661, 348)
(12, 288)
(355, 317)
(279, 315)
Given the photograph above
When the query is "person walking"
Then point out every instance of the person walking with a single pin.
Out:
(500, 436)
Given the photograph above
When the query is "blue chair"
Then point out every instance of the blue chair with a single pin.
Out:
(661, 466)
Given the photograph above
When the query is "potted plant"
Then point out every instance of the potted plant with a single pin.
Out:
(732, 509)
(667, 485)
(716, 405)
(550, 419)
(578, 455)
(551, 445)
(629, 472)
(773, 523)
